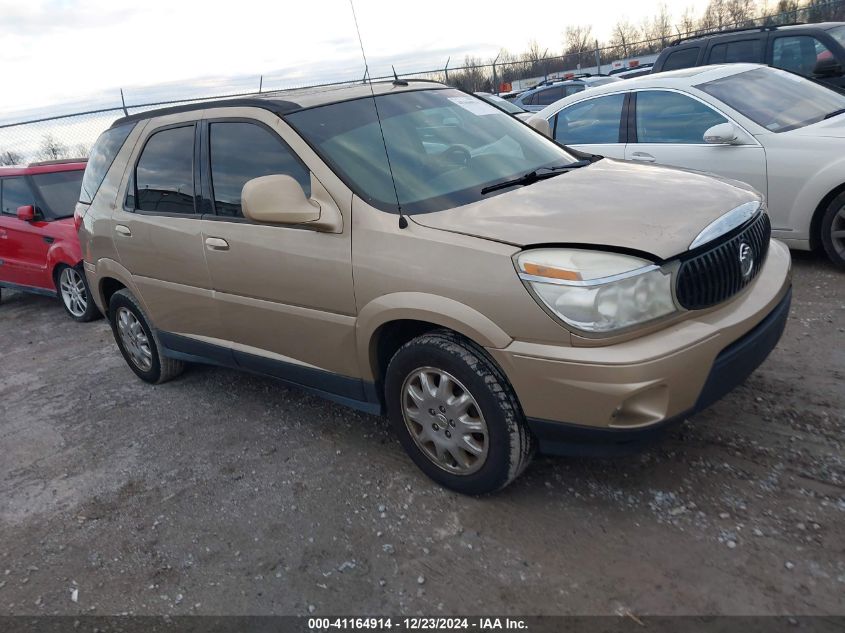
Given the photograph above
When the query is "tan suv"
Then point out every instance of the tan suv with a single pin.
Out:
(414, 250)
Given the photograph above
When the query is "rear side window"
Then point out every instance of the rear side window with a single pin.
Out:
(242, 151)
(164, 177)
(592, 121)
(685, 58)
(14, 193)
(550, 95)
(59, 192)
(100, 160)
(735, 52)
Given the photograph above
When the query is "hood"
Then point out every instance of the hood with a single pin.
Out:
(834, 128)
(657, 210)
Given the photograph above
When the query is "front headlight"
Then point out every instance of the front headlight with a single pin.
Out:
(595, 291)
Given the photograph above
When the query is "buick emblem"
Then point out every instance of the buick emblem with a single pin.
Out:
(746, 259)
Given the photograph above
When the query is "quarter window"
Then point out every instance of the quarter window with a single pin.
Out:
(670, 117)
(591, 121)
(734, 52)
(685, 58)
(242, 151)
(799, 54)
(15, 193)
(100, 160)
(164, 177)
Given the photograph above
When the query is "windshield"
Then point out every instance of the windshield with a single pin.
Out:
(504, 104)
(838, 33)
(444, 146)
(59, 192)
(775, 99)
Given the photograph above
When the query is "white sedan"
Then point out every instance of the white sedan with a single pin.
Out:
(782, 134)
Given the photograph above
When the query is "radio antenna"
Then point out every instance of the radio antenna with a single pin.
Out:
(403, 221)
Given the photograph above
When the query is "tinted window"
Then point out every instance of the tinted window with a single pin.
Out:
(15, 193)
(243, 151)
(531, 99)
(101, 158)
(592, 121)
(734, 52)
(445, 146)
(685, 58)
(59, 192)
(550, 95)
(670, 117)
(164, 176)
(573, 89)
(838, 34)
(774, 99)
(798, 54)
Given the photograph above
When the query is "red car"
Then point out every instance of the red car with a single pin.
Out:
(39, 248)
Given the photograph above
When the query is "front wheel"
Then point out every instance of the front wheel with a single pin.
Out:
(456, 414)
(75, 294)
(833, 230)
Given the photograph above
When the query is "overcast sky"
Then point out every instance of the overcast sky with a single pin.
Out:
(62, 52)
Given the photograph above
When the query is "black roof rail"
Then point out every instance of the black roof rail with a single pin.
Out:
(759, 29)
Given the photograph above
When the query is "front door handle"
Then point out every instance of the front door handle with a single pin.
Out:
(120, 229)
(642, 157)
(216, 244)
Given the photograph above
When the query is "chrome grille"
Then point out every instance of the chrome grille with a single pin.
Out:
(716, 272)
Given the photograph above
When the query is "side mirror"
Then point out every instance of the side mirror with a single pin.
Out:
(828, 67)
(26, 213)
(541, 125)
(277, 199)
(722, 134)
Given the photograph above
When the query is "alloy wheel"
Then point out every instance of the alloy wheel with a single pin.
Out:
(837, 232)
(134, 339)
(72, 288)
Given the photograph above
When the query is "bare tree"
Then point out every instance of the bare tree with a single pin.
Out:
(625, 39)
(657, 31)
(52, 148)
(10, 157)
(578, 40)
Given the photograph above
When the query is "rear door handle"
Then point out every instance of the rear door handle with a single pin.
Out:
(642, 157)
(122, 230)
(216, 244)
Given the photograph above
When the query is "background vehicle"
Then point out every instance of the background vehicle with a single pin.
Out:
(449, 303)
(39, 249)
(536, 99)
(639, 71)
(816, 51)
(780, 133)
(504, 104)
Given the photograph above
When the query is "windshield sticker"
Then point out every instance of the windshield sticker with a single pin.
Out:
(474, 105)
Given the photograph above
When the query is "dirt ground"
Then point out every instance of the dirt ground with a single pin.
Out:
(226, 493)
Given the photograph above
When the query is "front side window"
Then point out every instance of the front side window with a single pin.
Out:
(242, 151)
(671, 117)
(58, 192)
(444, 147)
(15, 193)
(685, 58)
(100, 160)
(591, 121)
(776, 100)
(737, 52)
(799, 54)
(164, 177)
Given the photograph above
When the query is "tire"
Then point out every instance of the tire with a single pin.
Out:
(496, 456)
(140, 347)
(74, 294)
(833, 230)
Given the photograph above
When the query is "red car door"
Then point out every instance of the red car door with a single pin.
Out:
(23, 249)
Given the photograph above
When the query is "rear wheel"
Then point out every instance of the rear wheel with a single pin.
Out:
(137, 342)
(833, 230)
(456, 414)
(75, 295)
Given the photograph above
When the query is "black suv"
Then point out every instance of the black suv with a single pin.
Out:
(816, 51)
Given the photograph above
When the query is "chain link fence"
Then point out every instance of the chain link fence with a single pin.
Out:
(72, 135)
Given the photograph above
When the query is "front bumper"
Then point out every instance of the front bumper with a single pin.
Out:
(610, 399)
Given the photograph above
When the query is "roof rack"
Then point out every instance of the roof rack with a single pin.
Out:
(58, 161)
(760, 29)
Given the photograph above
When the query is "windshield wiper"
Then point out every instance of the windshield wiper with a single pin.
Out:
(830, 115)
(541, 173)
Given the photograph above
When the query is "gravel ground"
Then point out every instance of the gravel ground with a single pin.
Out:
(226, 493)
